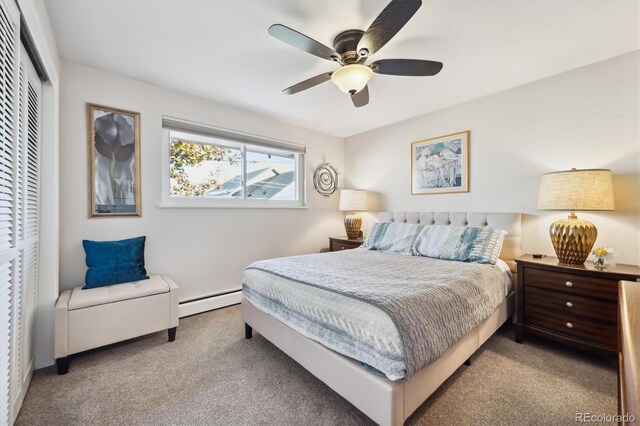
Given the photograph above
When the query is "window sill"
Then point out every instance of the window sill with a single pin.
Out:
(183, 205)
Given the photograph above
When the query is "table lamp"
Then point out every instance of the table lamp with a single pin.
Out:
(352, 200)
(572, 190)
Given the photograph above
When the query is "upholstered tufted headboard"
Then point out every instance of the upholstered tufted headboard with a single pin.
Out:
(510, 222)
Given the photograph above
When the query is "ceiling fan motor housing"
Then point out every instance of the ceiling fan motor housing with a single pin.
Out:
(346, 45)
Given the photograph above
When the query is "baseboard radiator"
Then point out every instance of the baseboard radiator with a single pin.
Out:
(192, 307)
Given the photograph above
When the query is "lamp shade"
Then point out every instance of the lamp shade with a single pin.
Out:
(352, 78)
(353, 200)
(576, 190)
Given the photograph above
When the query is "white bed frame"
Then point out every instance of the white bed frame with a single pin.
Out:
(384, 401)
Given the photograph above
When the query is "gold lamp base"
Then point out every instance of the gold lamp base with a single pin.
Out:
(573, 239)
(352, 224)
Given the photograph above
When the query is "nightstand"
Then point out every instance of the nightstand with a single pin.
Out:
(572, 304)
(343, 243)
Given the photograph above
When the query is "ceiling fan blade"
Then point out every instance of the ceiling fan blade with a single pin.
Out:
(301, 41)
(387, 24)
(407, 67)
(361, 98)
(307, 84)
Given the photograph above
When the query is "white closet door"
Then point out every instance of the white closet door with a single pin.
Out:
(18, 263)
(20, 93)
(25, 330)
(27, 230)
(9, 251)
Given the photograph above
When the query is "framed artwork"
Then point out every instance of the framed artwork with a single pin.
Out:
(114, 161)
(440, 165)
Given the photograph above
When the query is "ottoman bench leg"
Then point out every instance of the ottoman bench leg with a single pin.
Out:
(172, 334)
(63, 365)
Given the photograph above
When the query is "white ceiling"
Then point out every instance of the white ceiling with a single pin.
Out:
(221, 50)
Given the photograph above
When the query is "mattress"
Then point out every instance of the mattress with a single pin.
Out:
(349, 326)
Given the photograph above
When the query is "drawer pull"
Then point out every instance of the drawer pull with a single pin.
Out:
(569, 325)
(569, 284)
(342, 248)
(569, 305)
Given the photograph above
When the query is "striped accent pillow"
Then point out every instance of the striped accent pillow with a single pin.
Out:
(462, 243)
(391, 236)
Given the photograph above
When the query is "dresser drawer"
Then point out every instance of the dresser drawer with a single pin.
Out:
(336, 246)
(582, 307)
(343, 245)
(569, 324)
(571, 283)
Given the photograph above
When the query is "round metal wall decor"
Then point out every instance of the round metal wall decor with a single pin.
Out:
(325, 179)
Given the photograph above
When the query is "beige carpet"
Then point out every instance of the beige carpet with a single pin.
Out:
(212, 375)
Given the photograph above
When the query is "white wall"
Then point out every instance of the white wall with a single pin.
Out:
(585, 118)
(203, 250)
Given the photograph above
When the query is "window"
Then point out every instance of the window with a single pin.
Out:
(212, 167)
(203, 168)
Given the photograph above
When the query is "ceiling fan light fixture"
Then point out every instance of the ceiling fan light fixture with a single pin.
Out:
(352, 78)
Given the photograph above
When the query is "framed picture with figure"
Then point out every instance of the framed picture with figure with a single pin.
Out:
(114, 161)
(440, 165)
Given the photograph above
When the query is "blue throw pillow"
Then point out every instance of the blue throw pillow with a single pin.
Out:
(114, 262)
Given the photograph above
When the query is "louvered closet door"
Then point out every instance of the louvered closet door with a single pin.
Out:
(9, 240)
(27, 231)
(28, 208)
(20, 92)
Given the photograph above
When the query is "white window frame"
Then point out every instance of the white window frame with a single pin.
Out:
(243, 141)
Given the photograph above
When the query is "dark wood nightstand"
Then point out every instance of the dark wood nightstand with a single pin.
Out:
(343, 243)
(572, 304)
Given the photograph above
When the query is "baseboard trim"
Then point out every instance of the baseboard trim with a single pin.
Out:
(208, 304)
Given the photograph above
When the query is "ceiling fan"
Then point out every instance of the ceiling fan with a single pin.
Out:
(351, 49)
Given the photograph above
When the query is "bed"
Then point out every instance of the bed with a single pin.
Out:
(385, 382)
